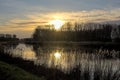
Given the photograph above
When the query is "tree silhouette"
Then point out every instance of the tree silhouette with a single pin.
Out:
(76, 32)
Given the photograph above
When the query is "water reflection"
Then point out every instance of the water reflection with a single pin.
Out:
(57, 55)
(67, 59)
(22, 51)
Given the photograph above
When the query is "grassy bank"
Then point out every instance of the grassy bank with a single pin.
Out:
(10, 72)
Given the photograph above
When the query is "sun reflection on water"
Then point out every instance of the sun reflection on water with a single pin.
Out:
(57, 55)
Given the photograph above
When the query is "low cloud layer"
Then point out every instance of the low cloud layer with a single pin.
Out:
(31, 21)
(21, 17)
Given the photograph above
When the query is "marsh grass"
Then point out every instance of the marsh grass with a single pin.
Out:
(98, 64)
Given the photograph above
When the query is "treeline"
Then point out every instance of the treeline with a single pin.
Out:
(8, 37)
(75, 32)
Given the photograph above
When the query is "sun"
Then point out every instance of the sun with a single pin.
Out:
(57, 23)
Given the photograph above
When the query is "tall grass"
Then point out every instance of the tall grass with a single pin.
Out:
(75, 63)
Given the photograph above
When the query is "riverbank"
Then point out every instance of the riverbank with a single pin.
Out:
(90, 44)
(64, 42)
(40, 71)
(10, 72)
(77, 43)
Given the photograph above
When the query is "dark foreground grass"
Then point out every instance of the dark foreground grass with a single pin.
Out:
(10, 72)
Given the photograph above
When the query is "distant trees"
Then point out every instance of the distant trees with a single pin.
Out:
(75, 32)
(8, 37)
(115, 34)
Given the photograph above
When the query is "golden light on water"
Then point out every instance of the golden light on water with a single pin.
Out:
(29, 55)
(57, 23)
(57, 55)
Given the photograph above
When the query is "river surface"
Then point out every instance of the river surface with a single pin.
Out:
(68, 58)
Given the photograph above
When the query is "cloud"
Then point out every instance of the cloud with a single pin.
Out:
(30, 21)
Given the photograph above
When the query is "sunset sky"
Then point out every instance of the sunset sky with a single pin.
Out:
(21, 17)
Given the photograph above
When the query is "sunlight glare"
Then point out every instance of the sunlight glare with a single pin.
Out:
(57, 23)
